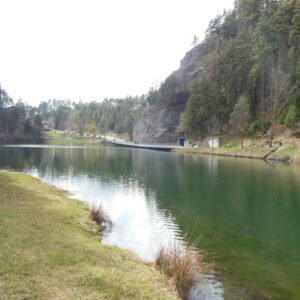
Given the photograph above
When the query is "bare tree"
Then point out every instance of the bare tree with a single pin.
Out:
(195, 41)
(239, 117)
(278, 99)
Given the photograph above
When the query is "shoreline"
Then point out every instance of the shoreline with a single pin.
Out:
(278, 154)
(52, 249)
(210, 250)
(56, 138)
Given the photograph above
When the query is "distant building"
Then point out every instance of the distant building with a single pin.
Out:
(211, 142)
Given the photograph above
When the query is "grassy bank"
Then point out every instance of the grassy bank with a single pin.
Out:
(287, 150)
(246, 152)
(50, 250)
(55, 138)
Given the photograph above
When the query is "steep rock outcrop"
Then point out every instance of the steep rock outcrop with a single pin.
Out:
(159, 123)
(192, 65)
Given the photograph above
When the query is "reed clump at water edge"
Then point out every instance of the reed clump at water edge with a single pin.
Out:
(185, 266)
(98, 215)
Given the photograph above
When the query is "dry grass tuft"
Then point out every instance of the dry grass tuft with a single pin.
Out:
(185, 267)
(98, 215)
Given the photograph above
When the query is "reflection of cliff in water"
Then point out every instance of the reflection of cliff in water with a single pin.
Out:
(243, 210)
(224, 194)
(106, 175)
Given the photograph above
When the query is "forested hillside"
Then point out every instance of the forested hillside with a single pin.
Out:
(110, 115)
(252, 73)
(18, 123)
(244, 77)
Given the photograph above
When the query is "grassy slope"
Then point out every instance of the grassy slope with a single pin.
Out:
(54, 138)
(247, 152)
(231, 147)
(289, 151)
(50, 250)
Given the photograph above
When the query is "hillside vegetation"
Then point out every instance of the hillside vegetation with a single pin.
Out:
(18, 123)
(251, 76)
(110, 115)
(243, 79)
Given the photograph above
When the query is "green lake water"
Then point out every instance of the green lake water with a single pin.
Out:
(244, 213)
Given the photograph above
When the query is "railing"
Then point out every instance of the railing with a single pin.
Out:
(158, 145)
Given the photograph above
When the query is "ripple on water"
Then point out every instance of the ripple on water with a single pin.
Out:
(209, 288)
(140, 224)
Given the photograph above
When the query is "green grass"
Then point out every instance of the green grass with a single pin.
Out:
(55, 138)
(232, 149)
(287, 152)
(50, 249)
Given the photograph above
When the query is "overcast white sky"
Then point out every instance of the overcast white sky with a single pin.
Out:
(93, 49)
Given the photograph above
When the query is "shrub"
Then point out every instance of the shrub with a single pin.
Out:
(185, 267)
(98, 215)
(258, 127)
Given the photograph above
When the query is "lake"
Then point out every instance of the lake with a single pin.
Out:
(244, 213)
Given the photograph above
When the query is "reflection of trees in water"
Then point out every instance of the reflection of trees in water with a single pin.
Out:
(102, 161)
(247, 210)
(231, 196)
(18, 158)
(242, 198)
(237, 196)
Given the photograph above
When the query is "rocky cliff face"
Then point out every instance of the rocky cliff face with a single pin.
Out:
(192, 65)
(159, 123)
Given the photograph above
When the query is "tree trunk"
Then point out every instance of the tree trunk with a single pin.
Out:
(272, 135)
(273, 126)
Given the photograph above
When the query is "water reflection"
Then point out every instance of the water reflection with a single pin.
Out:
(98, 175)
(247, 212)
(125, 183)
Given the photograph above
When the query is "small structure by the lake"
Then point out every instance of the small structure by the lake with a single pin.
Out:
(211, 142)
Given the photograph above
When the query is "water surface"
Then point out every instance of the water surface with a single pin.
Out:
(245, 213)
